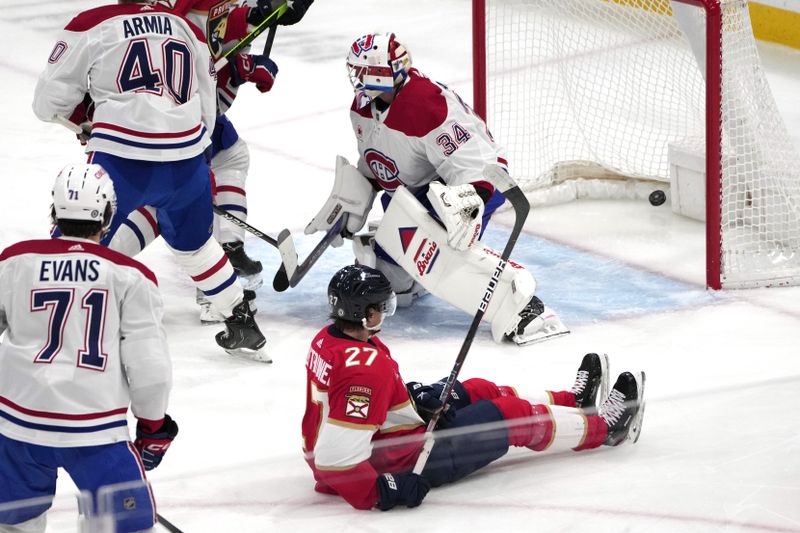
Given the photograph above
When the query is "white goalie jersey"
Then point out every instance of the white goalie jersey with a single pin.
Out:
(83, 340)
(148, 72)
(427, 132)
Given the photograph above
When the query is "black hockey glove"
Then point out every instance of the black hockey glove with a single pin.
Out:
(297, 9)
(152, 443)
(401, 489)
(263, 9)
(426, 402)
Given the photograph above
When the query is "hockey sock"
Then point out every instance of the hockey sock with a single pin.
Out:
(213, 274)
(135, 232)
(543, 427)
(481, 389)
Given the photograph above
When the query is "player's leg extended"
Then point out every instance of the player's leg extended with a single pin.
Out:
(27, 471)
(419, 245)
(98, 469)
(230, 168)
(185, 217)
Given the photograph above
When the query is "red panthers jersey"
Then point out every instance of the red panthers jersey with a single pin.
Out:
(356, 405)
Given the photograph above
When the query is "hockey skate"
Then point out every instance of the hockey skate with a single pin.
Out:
(243, 265)
(623, 410)
(537, 323)
(591, 382)
(242, 336)
(209, 314)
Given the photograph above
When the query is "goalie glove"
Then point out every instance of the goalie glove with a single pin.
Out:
(460, 209)
(352, 193)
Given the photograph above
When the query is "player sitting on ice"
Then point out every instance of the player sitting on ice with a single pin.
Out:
(435, 160)
(361, 418)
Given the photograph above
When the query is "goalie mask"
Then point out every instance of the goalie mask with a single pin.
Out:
(376, 63)
(355, 288)
(84, 192)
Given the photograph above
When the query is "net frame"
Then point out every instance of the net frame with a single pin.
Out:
(716, 256)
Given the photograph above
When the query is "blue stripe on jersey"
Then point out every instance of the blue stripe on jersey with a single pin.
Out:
(233, 207)
(63, 429)
(171, 146)
(135, 229)
(222, 286)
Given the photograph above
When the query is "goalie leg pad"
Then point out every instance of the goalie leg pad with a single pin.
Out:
(230, 168)
(213, 274)
(410, 236)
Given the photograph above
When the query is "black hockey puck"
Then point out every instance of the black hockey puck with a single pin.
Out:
(657, 197)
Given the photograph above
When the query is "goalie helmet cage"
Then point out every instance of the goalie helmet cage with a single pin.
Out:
(578, 90)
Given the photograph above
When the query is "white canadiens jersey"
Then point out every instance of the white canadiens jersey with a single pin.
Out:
(83, 341)
(149, 74)
(427, 133)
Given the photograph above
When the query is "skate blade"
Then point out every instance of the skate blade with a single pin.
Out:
(605, 368)
(636, 424)
(259, 356)
(552, 328)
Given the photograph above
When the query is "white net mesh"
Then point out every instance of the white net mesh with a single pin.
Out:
(584, 89)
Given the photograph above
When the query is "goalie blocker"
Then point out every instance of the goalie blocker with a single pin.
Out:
(418, 243)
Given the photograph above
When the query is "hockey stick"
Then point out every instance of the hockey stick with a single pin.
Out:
(250, 37)
(169, 526)
(515, 196)
(290, 273)
(244, 225)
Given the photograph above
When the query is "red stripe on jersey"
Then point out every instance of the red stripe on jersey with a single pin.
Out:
(65, 246)
(231, 188)
(62, 416)
(150, 220)
(213, 270)
(419, 107)
(147, 135)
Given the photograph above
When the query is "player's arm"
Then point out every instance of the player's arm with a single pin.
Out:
(143, 349)
(65, 80)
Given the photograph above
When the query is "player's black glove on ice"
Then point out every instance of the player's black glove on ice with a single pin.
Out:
(401, 489)
(152, 442)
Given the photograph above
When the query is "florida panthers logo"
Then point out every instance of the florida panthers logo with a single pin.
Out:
(383, 168)
(363, 44)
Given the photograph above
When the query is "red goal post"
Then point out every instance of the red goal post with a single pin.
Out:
(583, 92)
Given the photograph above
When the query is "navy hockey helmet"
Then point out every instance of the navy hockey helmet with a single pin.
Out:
(354, 288)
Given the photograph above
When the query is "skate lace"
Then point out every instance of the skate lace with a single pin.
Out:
(580, 382)
(613, 408)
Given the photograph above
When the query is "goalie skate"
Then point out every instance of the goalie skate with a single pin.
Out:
(537, 323)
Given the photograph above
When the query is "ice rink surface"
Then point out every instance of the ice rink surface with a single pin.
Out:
(720, 448)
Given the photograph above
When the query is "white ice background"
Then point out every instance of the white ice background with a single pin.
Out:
(720, 449)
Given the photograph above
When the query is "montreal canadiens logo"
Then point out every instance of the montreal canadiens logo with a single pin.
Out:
(383, 168)
(363, 44)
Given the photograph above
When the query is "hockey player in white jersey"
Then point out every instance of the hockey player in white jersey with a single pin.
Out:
(149, 73)
(434, 159)
(83, 343)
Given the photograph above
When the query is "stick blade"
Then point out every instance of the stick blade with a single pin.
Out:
(288, 252)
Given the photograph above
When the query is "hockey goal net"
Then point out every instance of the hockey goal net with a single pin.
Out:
(590, 96)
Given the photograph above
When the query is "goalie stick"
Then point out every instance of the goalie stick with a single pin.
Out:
(290, 273)
(500, 179)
